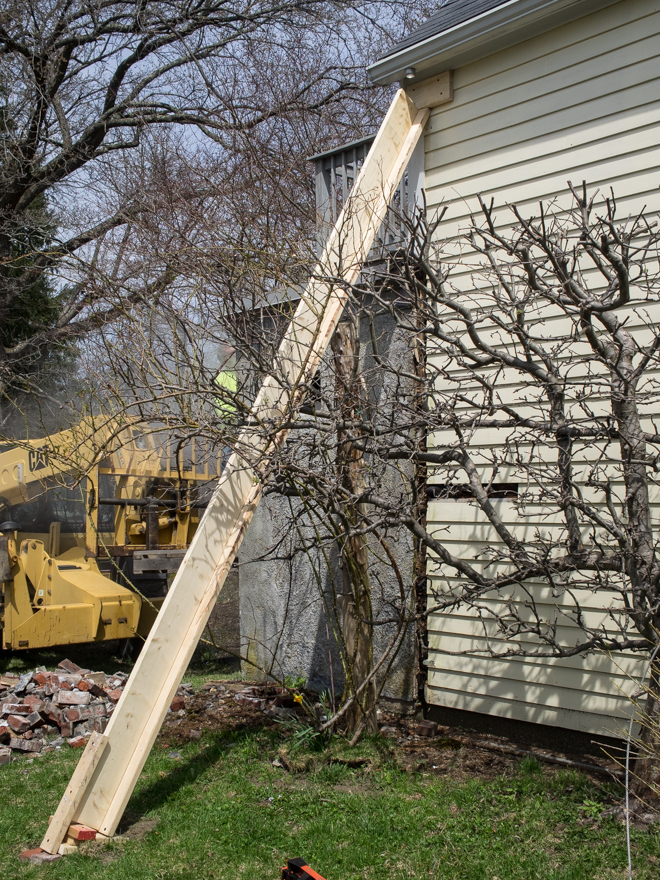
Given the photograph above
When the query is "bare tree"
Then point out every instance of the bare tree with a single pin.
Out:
(542, 378)
(119, 114)
(166, 377)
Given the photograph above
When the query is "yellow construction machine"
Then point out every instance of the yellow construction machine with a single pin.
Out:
(91, 522)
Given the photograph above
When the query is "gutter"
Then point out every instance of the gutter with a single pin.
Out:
(490, 32)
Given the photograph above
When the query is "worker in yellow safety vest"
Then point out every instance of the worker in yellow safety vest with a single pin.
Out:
(225, 405)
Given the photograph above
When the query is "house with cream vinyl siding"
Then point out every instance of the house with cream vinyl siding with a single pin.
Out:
(545, 91)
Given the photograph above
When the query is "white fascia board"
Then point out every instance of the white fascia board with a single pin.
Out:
(497, 29)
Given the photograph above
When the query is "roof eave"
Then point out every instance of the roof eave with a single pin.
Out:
(489, 32)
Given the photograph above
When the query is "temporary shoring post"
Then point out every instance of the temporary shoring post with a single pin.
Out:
(104, 792)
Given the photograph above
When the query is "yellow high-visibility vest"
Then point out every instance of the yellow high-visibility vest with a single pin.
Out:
(224, 405)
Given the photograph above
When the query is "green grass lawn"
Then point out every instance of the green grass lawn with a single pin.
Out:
(221, 810)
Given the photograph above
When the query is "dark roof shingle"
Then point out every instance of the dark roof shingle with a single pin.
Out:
(452, 13)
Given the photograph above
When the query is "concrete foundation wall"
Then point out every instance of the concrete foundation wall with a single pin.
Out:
(224, 628)
(286, 575)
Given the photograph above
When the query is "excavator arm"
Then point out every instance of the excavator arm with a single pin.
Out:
(69, 576)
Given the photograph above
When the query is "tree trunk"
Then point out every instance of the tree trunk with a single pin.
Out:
(355, 601)
(420, 513)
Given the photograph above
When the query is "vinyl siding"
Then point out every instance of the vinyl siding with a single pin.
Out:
(581, 102)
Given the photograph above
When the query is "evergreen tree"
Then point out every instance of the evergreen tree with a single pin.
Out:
(29, 301)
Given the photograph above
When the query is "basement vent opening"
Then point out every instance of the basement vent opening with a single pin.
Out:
(463, 492)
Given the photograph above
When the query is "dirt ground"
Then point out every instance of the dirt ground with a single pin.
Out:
(222, 706)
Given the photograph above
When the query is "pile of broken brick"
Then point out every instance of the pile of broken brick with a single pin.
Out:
(41, 710)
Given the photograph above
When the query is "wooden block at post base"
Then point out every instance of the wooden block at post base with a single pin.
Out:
(82, 832)
(433, 91)
(59, 825)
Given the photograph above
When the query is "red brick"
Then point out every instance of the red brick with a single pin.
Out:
(37, 856)
(65, 685)
(25, 745)
(27, 854)
(52, 712)
(78, 713)
(99, 725)
(40, 678)
(77, 742)
(98, 677)
(18, 723)
(35, 704)
(16, 708)
(34, 719)
(82, 832)
(66, 728)
(84, 685)
(71, 667)
(73, 698)
(177, 704)
(115, 695)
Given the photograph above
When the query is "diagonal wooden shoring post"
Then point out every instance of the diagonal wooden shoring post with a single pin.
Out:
(63, 817)
(165, 656)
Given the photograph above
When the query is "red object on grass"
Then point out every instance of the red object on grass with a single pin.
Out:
(298, 869)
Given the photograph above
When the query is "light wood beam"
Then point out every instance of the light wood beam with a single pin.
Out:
(59, 824)
(433, 91)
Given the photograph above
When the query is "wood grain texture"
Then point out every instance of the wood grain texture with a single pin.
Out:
(433, 91)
